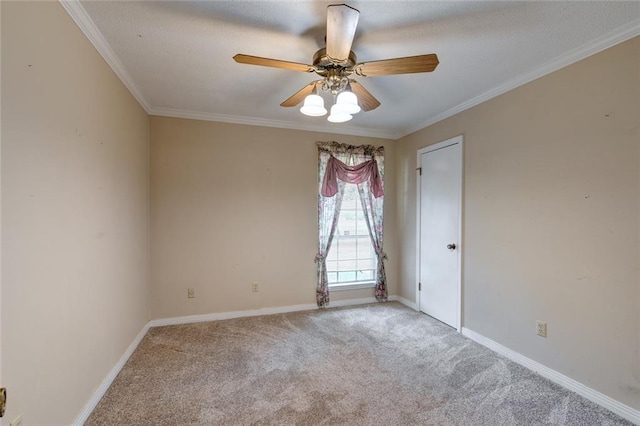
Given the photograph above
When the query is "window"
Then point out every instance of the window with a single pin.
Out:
(350, 220)
(351, 258)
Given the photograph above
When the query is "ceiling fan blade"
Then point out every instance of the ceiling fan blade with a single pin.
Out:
(406, 65)
(274, 63)
(342, 21)
(365, 99)
(299, 96)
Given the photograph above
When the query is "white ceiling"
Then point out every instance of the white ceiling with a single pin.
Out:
(176, 56)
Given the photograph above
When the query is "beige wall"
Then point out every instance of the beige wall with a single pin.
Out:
(74, 215)
(551, 219)
(234, 204)
(1, 381)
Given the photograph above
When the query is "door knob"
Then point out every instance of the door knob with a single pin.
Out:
(451, 246)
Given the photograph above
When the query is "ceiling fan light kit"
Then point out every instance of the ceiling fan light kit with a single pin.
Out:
(347, 101)
(313, 105)
(335, 64)
(338, 116)
(346, 105)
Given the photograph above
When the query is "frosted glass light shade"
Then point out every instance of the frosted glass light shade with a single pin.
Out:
(313, 106)
(347, 102)
(338, 116)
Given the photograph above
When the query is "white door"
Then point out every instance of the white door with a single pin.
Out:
(439, 207)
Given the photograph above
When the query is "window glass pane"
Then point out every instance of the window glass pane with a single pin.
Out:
(364, 247)
(346, 276)
(333, 252)
(366, 264)
(348, 249)
(348, 265)
(365, 275)
(361, 224)
(349, 201)
(346, 224)
(351, 257)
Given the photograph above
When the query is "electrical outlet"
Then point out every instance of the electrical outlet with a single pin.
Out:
(254, 287)
(541, 328)
(191, 293)
(17, 421)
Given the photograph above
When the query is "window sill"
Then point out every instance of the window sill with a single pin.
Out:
(351, 286)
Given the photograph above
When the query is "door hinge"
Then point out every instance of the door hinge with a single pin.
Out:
(419, 169)
(419, 286)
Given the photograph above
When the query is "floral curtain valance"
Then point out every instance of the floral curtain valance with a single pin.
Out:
(345, 150)
(357, 174)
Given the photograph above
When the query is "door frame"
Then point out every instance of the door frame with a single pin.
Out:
(440, 145)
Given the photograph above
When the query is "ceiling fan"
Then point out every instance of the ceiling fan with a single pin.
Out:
(336, 63)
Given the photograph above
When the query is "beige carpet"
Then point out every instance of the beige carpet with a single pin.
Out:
(381, 364)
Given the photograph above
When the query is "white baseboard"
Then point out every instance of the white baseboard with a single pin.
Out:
(229, 315)
(405, 302)
(104, 386)
(256, 312)
(601, 399)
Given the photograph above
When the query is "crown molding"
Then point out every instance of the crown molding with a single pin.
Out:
(254, 121)
(617, 36)
(91, 31)
(88, 27)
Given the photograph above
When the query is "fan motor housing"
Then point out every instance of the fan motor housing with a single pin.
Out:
(324, 63)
